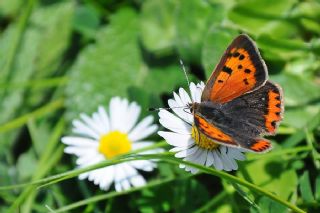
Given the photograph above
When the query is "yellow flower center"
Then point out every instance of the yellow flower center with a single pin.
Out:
(114, 143)
(202, 140)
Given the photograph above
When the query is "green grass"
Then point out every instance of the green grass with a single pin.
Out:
(56, 54)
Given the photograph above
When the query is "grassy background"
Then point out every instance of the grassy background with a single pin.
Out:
(60, 58)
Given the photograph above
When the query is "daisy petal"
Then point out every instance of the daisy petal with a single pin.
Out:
(117, 108)
(173, 123)
(104, 118)
(210, 159)
(82, 129)
(92, 124)
(188, 152)
(185, 98)
(132, 115)
(176, 139)
(79, 141)
(143, 129)
(236, 154)
(217, 160)
(144, 165)
(183, 112)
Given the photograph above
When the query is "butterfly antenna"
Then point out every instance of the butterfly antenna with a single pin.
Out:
(185, 72)
(164, 108)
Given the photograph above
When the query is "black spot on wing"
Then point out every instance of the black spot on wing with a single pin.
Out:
(240, 67)
(245, 81)
(241, 57)
(236, 54)
(247, 71)
(220, 81)
(227, 70)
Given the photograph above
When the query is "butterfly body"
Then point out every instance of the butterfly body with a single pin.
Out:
(239, 105)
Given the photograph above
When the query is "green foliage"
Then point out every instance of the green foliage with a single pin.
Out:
(61, 58)
(102, 67)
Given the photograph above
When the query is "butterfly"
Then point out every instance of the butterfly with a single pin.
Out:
(239, 105)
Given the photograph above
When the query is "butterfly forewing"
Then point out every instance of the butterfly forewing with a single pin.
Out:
(240, 70)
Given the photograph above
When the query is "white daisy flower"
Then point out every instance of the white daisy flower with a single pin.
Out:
(105, 135)
(188, 142)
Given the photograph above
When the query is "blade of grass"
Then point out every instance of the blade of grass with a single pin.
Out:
(47, 161)
(291, 151)
(116, 194)
(16, 41)
(36, 84)
(29, 190)
(169, 159)
(76, 172)
(18, 122)
(311, 142)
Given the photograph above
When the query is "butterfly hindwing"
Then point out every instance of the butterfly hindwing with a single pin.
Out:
(213, 132)
(241, 70)
(258, 145)
(275, 108)
(258, 112)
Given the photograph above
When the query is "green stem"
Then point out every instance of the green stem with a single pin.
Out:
(16, 41)
(169, 159)
(115, 194)
(36, 84)
(29, 191)
(281, 153)
(76, 172)
(35, 114)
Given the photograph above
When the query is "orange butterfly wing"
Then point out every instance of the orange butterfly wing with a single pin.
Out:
(275, 108)
(258, 145)
(241, 70)
(213, 132)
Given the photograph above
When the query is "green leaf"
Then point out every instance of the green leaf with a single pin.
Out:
(193, 20)
(157, 26)
(54, 25)
(26, 165)
(245, 195)
(157, 199)
(86, 21)
(298, 90)
(215, 44)
(108, 67)
(40, 50)
(299, 117)
(263, 16)
(305, 65)
(309, 9)
(10, 7)
(275, 48)
(274, 175)
(145, 99)
(170, 77)
(269, 206)
(305, 188)
(317, 191)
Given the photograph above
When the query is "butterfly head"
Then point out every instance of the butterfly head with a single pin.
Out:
(193, 107)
